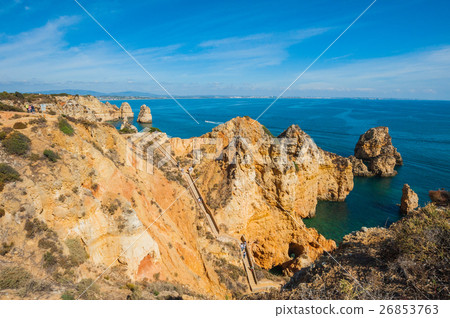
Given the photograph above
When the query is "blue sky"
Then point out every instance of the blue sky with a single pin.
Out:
(398, 49)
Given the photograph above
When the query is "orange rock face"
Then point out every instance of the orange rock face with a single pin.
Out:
(263, 186)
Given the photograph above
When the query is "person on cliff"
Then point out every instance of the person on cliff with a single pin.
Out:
(178, 164)
(33, 110)
(190, 170)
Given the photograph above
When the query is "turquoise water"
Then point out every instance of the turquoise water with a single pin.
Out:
(419, 129)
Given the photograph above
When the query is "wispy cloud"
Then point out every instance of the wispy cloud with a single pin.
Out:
(253, 64)
(426, 72)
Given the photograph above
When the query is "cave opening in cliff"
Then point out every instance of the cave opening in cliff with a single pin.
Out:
(277, 270)
(295, 250)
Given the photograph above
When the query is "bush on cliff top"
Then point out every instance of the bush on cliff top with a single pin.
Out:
(8, 108)
(17, 143)
(13, 278)
(267, 131)
(65, 127)
(51, 155)
(8, 173)
(78, 254)
(20, 125)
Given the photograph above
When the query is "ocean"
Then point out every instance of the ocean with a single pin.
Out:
(420, 130)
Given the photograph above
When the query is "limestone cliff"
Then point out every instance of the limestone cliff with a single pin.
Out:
(133, 224)
(257, 185)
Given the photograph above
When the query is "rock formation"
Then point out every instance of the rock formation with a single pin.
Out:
(410, 200)
(125, 110)
(375, 147)
(145, 116)
(97, 199)
(263, 186)
(127, 126)
(359, 168)
(440, 197)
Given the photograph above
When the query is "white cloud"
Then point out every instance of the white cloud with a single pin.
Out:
(42, 59)
(423, 73)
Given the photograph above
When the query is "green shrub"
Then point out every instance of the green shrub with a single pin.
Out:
(78, 254)
(14, 277)
(17, 143)
(51, 112)
(34, 157)
(8, 174)
(20, 125)
(67, 295)
(2, 212)
(6, 248)
(34, 227)
(87, 289)
(51, 155)
(38, 121)
(48, 244)
(8, 108)
(49, 260)
(153, 129)
(267, 131)
(65, 127)
(127, 130)
(5, 132)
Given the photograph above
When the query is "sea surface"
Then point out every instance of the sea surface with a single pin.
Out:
(420, 131)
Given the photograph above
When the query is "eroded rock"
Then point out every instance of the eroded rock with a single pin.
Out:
(410, 200)
(375, 147)
(145, 116)
(125, 110)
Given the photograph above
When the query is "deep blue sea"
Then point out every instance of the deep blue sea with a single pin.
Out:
(420, 131)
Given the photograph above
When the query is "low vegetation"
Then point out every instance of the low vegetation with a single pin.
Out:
(127, 130)
(7, 174)
(268, 132)
(78, 254)
(14, 277)
(34, 227)
(7, 108)
(65, 127)
(153, 129)
(17, 143)
(41, 121)
(20, 125)
(51, 155)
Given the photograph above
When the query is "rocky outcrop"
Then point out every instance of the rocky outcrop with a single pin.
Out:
(87, 108)
(375, 147)
(127, 127)
(440, 197)
(359, 168)
(262, 187)
(145, 116)
(125, 110)
(410, 200)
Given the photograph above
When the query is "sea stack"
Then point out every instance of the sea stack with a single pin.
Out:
(410, 200)
(145, 116)
(375, 149)
(125, 110)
